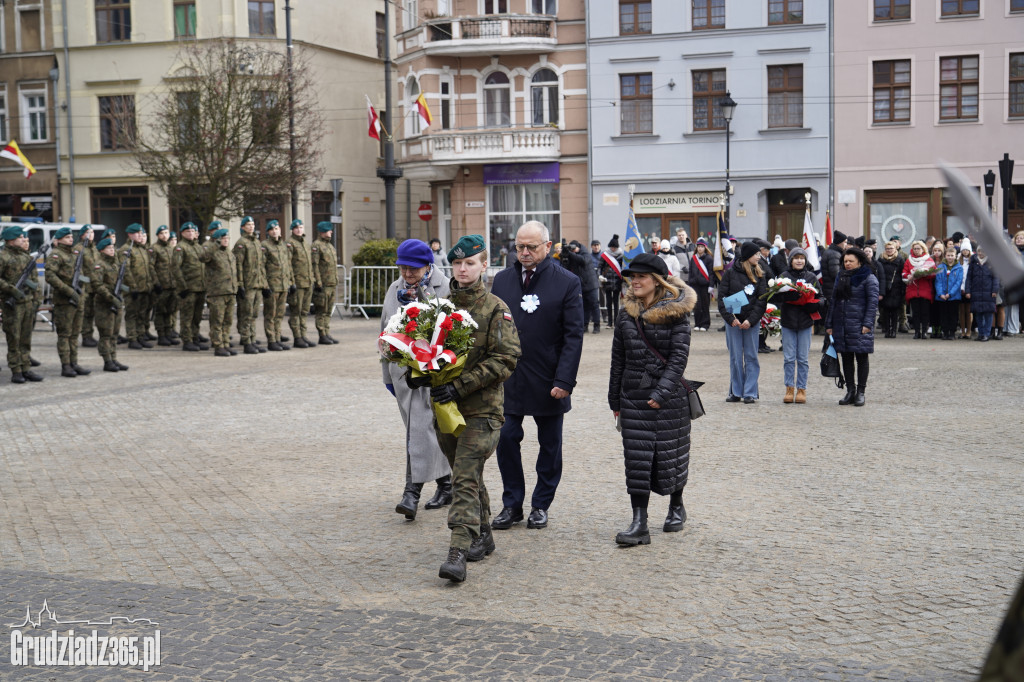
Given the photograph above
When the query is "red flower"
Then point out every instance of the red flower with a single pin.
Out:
(411, 327)
(413, 313)
(447, 324)
(456, 316)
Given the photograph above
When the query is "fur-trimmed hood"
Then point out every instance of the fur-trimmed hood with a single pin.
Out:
(667, 309)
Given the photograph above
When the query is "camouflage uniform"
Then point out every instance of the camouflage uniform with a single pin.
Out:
(278, 266)
(324, 262)
(163, 268)
(190, 279)
(108, 308)
(88, 261)
(19, 319)
(67, 303)
(491, 360)
(221, 285)
(138, 279)
(298, 302)
(251, 276)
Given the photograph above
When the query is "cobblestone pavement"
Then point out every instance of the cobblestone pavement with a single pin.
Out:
(246, 504)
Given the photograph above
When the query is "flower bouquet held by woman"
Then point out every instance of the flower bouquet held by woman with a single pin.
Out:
(432, 339)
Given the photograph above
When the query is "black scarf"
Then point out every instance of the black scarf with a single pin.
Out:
(849, 279)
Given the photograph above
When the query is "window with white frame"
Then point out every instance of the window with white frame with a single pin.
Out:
(3, 115)
(544, 7)
(410, 16)
(412, 118)
(34, 127)
(544, 97)
(446, 103)
(497, 101)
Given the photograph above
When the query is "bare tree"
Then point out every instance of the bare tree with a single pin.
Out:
(219, 134)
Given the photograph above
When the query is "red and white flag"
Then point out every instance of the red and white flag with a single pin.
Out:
(828, 230)
(372, 119)
(611, 262)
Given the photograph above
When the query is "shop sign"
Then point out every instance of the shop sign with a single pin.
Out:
(678, 202)
(520, 173)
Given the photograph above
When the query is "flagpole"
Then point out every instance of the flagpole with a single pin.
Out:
(389, 173)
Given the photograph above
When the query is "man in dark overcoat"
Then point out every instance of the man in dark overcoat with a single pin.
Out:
(547, 306)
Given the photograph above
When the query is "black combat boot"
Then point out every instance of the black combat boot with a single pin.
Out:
(851, 394)
(332, 339)
(134, 345)
(250, 349)
(300, 342)
(120, 367)
(32, 376)
(81, 371)
(309, 344)
(202, 339)
(173, 335)
(189, 346)
(858, 401)
(89, 342)
(17, 378)
(324, 341)
(454, 567)
(33, 362)
(67, 370)
(283, 339)
(222, 353)
(637, 533)
(284, 346)
(443, 496)
(482, 546)
(274, 345)
(410, 500)
(144, 342)
(163, 341)
(149, 337)
(110, 366)
(997, 334)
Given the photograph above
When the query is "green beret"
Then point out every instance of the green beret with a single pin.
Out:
(222, 232)
(174, 235)
(470, 245)
(104, 243)
(189, 226)
(271, 224)
(62, 232)
(215, 225)
(324, 226)
(248, 219)
(296, 223)
(162, 228)
(133, 228)
(82, 230)
(11, 233)
(109, 232)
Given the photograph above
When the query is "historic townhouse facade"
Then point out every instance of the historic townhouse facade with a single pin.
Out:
(505, 82)
(122, 54)
(658, 70)
(916, 82)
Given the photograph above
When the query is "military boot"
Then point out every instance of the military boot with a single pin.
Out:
(483, 545)
(443, 496)
(163, 341)
(410, 500)
(222, 353)
(134, 345)
(89, 342)
(300, 342)
(189, 346)
(67, 370)
(637, 533)
(454, 567)
(284, 346)
(309, 343)
(17, 378)
(32, 376)
(250, 349)
(274, 345)
(110, 366)
(81, 371)
(324, 341)
(144, 342)
(120, 367)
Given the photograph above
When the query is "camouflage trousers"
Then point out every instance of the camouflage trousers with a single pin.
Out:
(248, 311)
(467, 454)
(191, 316)
(323, 306)
(136, 314)
(108, 322)
(87, 312)
(221, 308)
(273, 313)
(298, 308)
(67, 319)
(18, 323)
(163, 311)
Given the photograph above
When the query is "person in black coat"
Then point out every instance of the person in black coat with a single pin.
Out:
(851, 319)
(982, 288)
(645, 391)
(742, 328)
(894, 289)
(611, 279)
(547, 306)
(583, 267)
(701, 281)
(796, 322)
(832, 264)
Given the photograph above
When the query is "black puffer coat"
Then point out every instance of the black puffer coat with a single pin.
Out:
(893, 289)
(656, 442)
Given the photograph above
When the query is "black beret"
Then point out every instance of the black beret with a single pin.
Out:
(646, 263)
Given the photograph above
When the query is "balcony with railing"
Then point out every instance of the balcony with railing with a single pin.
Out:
(448, 149)
(487, 35)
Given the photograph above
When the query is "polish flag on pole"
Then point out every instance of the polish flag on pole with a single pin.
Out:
(372, 120)
(828, 230)
(424, 111)
(12, 152)
(810, 245)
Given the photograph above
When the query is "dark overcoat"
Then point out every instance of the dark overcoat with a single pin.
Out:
(894, 290)
(846, 316)
(656, 442)
(551, 336)
(981, 284)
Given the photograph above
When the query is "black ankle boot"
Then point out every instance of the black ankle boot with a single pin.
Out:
(410, 500)
(483, 545)
(675, 519)
(858, 401)
(442, 496)
(454, 567)
(851, 394)
(637, 533)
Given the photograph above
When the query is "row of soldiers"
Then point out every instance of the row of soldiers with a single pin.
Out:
(96, 284)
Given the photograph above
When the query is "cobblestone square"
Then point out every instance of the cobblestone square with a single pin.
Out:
(246, 504)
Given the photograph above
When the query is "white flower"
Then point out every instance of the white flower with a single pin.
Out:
(749, 289)
(409, 306)
(394, 322)
(530, 302)
(443, 303)
(468, 319)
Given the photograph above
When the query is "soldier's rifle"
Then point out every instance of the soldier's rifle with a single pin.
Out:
(77, 278)
(31, 270)
(119, 284)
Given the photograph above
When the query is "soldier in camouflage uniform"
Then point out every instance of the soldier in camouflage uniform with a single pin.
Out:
(67, 301)
(172, 244)
(480, 397)
(221, 287)
(277, 263)
(190, 283)
(252, 280)
(87, 242)
(299, 300)
(108, 307)
(19, 317)
(148, 299)
(324, 261)
(138, 283)
(162, 257)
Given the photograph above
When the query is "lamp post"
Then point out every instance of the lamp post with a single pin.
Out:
(1006, 182)
(990, 188)
(728, 106)
(57, 208)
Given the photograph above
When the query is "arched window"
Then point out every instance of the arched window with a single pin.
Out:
(412, 119)
(544, 95)
(497, 101)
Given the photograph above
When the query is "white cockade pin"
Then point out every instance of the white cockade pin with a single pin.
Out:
(530, 303)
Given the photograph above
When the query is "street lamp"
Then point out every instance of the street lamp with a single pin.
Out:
(57, 208)
(1006, 182)
(728, 106)
(990, 188)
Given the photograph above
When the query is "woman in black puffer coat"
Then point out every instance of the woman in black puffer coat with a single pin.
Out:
(645, 392)
(851, 320)
(894, 290)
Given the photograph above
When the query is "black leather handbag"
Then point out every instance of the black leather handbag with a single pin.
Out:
(830, 365)
(692, 397)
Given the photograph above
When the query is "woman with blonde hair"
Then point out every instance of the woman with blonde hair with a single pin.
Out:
(892, 300)
(646, 394)
(966, 321)
(742, 317)
(918, 275)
